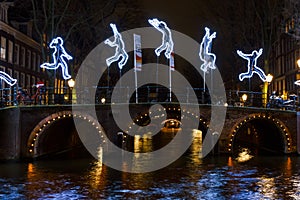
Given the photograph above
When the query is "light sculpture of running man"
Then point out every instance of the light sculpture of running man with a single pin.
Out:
(167, 42)
(59, 57)
(208, 58)
(252, 67)
(120, 48)
(8, 79)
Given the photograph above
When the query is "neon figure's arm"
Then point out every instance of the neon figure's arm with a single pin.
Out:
(245, 56)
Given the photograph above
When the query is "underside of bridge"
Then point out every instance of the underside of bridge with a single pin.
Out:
(261, 137)
(60, 140)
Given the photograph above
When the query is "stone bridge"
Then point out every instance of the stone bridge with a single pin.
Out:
(34, 131)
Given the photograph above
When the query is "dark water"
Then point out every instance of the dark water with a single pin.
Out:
(188, 178)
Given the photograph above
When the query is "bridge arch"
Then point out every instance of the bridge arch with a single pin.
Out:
(34, 143)
(176, 115)
(261, 132)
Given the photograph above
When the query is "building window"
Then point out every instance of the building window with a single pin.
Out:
(38, 61)
(3, 48)
(16, 76)
(22, 80)
(2, 69)
(10, 51)
(22, 57)
(28, 59)
(33, 61)
(16, 54)
(28, 81)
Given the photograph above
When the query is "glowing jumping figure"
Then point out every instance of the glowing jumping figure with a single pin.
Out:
(8, 79)
(120, 48)
(208, 58)
(252, 67)
(297, 82)
(59, 55)
(167, 42)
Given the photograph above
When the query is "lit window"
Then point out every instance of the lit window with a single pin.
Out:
(3, 48)
(10, 51)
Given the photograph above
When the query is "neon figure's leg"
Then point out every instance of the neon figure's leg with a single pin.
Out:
(9, 80)
(159, 49)
(64, 69)
(113, 59)
(203, 67)
(49, 65)
(248, 74)
(123, 60)
(260, 73)
(168, 51)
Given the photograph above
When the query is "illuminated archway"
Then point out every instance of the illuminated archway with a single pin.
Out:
(167, 133)
(262, 134)
(34, 144)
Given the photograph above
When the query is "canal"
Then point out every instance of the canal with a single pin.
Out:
(219, 177)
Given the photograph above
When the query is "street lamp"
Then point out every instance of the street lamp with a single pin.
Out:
(71, 84)
(244, 98)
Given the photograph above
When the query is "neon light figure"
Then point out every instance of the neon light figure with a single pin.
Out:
(167, 42)
(297, 82)
(8, 79)
(120, 48)
(59, 55)
(252, 67)
(208, 58)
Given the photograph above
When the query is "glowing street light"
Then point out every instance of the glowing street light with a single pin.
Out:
(269, 77)
(71, 84)
(244, 98)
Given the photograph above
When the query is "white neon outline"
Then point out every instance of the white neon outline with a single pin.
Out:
(7, 78)
(120, 48)
(297, 82)
(58, 57)
(167, 41)
(208, 58)
(252, 67)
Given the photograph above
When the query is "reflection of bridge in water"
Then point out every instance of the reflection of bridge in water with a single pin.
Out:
(34, 131)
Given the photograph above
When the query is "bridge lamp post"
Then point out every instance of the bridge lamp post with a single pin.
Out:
(265, 91)
(71, 84)
(244, 98)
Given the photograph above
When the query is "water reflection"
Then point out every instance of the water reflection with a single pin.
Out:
(186, 178)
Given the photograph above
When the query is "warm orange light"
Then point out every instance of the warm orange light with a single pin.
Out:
(298, 62)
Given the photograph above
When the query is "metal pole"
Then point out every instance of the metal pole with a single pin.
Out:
(170, 84)
(136, 89)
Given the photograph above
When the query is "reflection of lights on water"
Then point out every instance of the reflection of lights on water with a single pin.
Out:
(197, 134)
(244, 155)
(267, 187)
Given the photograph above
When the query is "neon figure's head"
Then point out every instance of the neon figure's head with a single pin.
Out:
(56, 41)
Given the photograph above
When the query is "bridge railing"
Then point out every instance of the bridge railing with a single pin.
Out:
(146, 94)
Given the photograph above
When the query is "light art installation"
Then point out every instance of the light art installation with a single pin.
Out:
(59, 57)
(252, 67)
(297, 82)
(167, 42)
(208, 58)
(7, 78)
(120, 48)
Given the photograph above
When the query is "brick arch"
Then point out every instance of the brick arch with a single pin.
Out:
(285, 133)
(186, 113)
(39, 129)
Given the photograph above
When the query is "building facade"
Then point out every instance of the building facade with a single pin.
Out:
(285, 56)
(20, 54)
